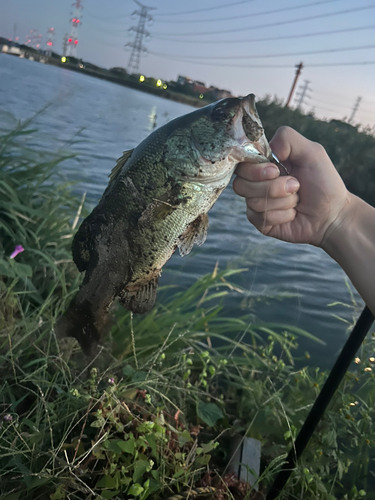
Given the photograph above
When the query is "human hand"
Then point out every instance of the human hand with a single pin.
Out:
(302, 207)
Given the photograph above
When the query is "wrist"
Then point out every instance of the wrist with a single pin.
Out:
(342, 231)
(351, 243)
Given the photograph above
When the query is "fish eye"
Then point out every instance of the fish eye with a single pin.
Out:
(218, 113)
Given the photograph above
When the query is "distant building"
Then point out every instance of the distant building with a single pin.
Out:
(184, 80)
(219, 93)
(9, 47)
(199, 87)
(14, 51)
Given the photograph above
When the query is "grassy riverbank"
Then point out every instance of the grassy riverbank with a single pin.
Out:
(131, 81)
(155, 412)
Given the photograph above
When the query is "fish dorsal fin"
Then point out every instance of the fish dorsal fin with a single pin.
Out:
(120, 163)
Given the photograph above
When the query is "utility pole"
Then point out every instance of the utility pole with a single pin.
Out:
(302, 94)
(298, 72)
(140, 32)
(50, 41)
(15, 37)
(34, 39)
(65, 44)
(76, 21)
(355, 109)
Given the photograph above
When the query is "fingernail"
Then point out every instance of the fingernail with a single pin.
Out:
(292, 186)
(270, 172)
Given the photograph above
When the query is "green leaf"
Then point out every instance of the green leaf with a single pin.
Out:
(128, 370)
(139, 469)
(107, 482)
(179, 473)
(210, 413)
(139, 376)
(207, 447)
(23, 270)
(26, 474)
(152, 442)
(60, 493)
(184, 437)
(12, 496)
(135, 489)
(113, 446)
(203, 460)
(109, 494)
(98, 423)
(6, 269)
(154, 485)
(155, 475)
(127, 446)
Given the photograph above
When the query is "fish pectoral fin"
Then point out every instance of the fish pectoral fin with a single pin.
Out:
(195, 233)
(120, 163)
(140, 299)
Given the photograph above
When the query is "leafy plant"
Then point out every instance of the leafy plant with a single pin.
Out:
(156, 410)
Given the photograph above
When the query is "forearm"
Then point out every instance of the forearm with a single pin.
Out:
(351, 243)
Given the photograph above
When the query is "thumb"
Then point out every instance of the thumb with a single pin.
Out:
(288, 144)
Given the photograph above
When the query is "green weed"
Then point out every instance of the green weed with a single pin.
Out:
(155, 412)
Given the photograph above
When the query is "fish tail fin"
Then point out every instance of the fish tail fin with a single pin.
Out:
(84, 323)
(141, 298)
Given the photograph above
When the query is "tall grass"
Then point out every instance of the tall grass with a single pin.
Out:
(156, 411)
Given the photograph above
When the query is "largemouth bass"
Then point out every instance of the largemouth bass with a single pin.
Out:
(156, 201)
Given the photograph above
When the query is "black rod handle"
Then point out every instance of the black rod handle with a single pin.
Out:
(338, 371)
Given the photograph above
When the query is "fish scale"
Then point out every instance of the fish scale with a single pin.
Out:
(157, 200)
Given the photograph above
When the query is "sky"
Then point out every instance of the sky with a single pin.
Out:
(241, 46)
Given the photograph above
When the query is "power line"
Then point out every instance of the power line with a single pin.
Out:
(279, 23)
(265, 56)
(112, 19)
(254, 14)
(270, 66)
(333, 104)
(205, 9)
(329, 95)
(267, 38)
(355, 63)
(339, 105)
(327, 109)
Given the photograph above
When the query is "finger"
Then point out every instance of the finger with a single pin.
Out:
(278, 188)
(257, 171)
(288, 144)
(272, 218)
(260, 205)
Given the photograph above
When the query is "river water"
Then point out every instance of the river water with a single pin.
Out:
(100, 120)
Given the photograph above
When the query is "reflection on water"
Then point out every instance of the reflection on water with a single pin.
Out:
(153, 119)
(100, 120)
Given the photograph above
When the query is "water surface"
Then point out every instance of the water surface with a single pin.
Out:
(100, 120)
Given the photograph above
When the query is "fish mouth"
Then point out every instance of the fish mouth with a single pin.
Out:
(252, 128)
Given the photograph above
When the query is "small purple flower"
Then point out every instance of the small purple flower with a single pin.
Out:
(8, 418)
(111, 381)
(18, 249)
